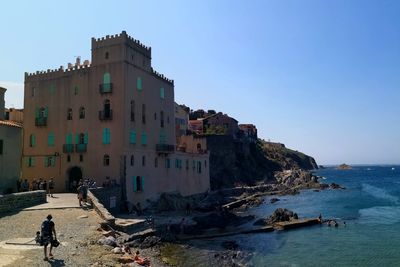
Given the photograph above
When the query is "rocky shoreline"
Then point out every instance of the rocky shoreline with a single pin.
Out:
(214, 214)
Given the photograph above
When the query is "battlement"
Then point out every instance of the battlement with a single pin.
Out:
(122, 37)
(161, 76)
(54, 73)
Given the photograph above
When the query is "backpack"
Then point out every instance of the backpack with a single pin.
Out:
(46, 228)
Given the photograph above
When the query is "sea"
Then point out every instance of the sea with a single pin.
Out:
(368, 213)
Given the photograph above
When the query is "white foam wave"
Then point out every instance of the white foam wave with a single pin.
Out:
(380, 215)
(379, 193)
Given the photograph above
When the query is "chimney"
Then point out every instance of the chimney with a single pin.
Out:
(2, 103)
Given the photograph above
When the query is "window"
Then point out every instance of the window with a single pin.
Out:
(132, 137)
(33, 91)
(162, 119)
(106, 136)
(30, 161)
(76, 90)
(1, 146)
(155, 162)
(187, 164)
(81, 158)
(199, 166)
(50, 161)
(50, 139)
(69, 114)
(162, 138)
(167, 163)
(139, 83)
(106, 82)
(205, 164)
(68, 158)
(168, 119)
(138, 183)
(81, 113)
(178, 163)
(132, 160)
(133, 110)
(106, 160)
(106, 55)
(155, 116)
(143, 160)
(32, 140)
(81, 138)
(41, 112)
(144, 114)
(144, 139)
(162, 93)
(107, 108)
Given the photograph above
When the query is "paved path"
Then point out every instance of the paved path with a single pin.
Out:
(58, 201)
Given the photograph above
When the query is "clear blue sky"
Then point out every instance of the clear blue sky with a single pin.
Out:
(323, 77)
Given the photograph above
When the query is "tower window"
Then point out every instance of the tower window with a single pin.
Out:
(106, 160)
(81, 113)
(69, 114)
(106, 55)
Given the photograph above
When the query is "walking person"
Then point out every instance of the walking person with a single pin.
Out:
(80, 194)
(51, 187)
(47, 230)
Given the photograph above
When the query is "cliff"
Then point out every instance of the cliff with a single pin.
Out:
(235, 162)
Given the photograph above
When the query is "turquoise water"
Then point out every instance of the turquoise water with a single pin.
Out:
(370, 206)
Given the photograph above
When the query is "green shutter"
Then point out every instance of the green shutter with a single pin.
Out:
(46, 112)
(33, 161)
(144, 139)
(142, 183)
(50, 139)
(68, 139)
(134, 183)
(37, 113)
(106, 78)
(139, 83)
(106, 136)
(77, 139)
(132, 137)
(33, 140)
(85, 138)
(162, 93)
(76, 90)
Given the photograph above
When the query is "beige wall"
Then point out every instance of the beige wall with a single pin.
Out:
(127, 60)
(10, 159)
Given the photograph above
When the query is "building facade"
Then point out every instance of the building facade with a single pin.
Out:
(111, 119)
(249, 131)
(10, 151)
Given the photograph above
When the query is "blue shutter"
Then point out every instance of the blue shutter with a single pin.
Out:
(139, 83)
(133, 137)
(162, 93)
(85, 138)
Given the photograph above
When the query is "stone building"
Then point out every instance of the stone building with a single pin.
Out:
(249, 131)
(109, 119)
(10, 150)
(14, 114)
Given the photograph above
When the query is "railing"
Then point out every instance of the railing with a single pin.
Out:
(106, 88)
(68, 148)
(105, 116)
(164, 148)
(41, 121)
(80, 148)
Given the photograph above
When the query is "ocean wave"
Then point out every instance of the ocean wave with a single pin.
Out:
(380, 215)
(379, 193)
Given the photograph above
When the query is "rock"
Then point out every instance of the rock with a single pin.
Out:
(260, 222)
(108, 241)
(273, 200)
(281, 215)
(82, 217)
(135, 243)
(344, 167)
(336, 186)
(117, 250)
(150, 241)
(231, 245)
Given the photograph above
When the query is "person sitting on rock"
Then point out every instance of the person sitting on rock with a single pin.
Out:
(141, 261)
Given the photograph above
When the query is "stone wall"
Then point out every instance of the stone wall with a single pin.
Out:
(101, 210)
(109, 197)
(17, 201)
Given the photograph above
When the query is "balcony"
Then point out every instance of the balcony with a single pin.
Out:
(41, 121)
(68, 148)
(105, 115)
(80, 148)
(164, 148)
(105, 88)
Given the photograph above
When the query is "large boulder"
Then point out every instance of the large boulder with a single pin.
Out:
(279, 215)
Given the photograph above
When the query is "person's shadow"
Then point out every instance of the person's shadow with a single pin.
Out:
(56, 263)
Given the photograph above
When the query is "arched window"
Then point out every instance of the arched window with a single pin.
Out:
(106, 160)
(143, 160)
(139, 185)
(133, 110)
(69, 114)
(132, 160)
(106, 55)
(81, 113)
